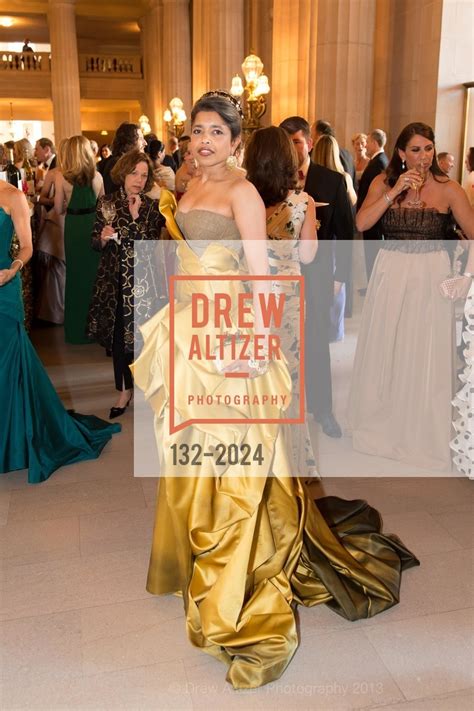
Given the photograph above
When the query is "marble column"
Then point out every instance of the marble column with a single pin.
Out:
(293, 58)
(176, 52)
(65, 88)
(408, 62)
(218, 43)
(345, 66)
(153, 64)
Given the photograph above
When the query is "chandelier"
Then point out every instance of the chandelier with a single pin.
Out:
(254, 92)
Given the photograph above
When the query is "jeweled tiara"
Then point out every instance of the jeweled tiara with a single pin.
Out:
(225, 95)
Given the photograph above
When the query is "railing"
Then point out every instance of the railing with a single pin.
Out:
(89, 65)
(25, 62)
(110, 65)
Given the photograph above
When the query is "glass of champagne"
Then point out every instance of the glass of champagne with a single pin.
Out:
(109, 212)
(415, 201)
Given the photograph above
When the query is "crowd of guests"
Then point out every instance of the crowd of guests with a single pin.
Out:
(95, 203)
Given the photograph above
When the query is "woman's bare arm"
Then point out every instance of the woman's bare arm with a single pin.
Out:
(59, 196)
(20, 215)
(308, 245)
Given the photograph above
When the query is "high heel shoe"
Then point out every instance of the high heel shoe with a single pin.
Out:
(118, 411)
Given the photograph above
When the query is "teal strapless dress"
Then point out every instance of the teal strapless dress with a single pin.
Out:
(36, 432)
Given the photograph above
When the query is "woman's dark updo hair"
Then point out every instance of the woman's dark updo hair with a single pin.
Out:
(223, 104)
(271, 163)
(394, 168)
(470, 158)
(154, 149)
(126, 138)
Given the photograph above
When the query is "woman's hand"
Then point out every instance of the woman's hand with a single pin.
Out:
(134, 202)
(6, 275)
(410, 179)
(244, 366)
(459, 288)
(456, 288)
(108, 233)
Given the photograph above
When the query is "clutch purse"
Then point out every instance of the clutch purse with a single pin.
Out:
(447, 285)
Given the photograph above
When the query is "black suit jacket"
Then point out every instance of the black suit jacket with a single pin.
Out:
(336, 219)
(348, 164)
(325, 185)
(374, 167)
(109, 185)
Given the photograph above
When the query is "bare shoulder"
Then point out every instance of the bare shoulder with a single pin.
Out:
(242, 189)
(450, 187)
(7, 190)
(14, 196)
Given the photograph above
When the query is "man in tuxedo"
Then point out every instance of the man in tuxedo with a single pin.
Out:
(45, 153)
(376, 141)
(321, 280)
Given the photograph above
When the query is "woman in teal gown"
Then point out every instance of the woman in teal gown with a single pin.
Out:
(36, 432)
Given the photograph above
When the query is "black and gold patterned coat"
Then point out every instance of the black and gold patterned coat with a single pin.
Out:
(127, 271)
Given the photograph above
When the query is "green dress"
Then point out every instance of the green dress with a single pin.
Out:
(81, 262)
(36, 432)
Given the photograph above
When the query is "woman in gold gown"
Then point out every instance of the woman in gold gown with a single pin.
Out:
(243, 544)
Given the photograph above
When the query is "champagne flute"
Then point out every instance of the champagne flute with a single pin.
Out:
(415, 201)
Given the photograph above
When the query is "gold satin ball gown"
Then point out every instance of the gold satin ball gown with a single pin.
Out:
(242, 547)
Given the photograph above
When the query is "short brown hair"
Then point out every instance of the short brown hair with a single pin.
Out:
(45, 142)
(271, 163)
(293, 124)
(127, 163)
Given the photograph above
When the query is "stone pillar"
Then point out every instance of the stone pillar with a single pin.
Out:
(176, 44)
(65, 88)
(345, 66)
(406, 61)
(293, 58)
(218, 44)
(153, 65)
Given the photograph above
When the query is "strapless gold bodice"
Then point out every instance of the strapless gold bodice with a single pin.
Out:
(205, 226)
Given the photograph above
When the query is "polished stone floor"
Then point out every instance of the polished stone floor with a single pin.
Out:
(79, 631)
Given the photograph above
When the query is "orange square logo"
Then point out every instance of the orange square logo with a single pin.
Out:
(214, 340)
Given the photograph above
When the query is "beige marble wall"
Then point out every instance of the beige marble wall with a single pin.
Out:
(293, 57)
(345, 66)
(407, 50)
(456, 66)
(218, 43)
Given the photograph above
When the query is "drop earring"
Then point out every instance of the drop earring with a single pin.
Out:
(231, 162)
(403, 165)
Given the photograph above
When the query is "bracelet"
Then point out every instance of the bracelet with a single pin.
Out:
(468, 274)
(388, 198)
(20, 263)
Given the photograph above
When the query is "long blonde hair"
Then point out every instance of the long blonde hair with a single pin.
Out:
(76, 160)
(22, 150)
(326, 153)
